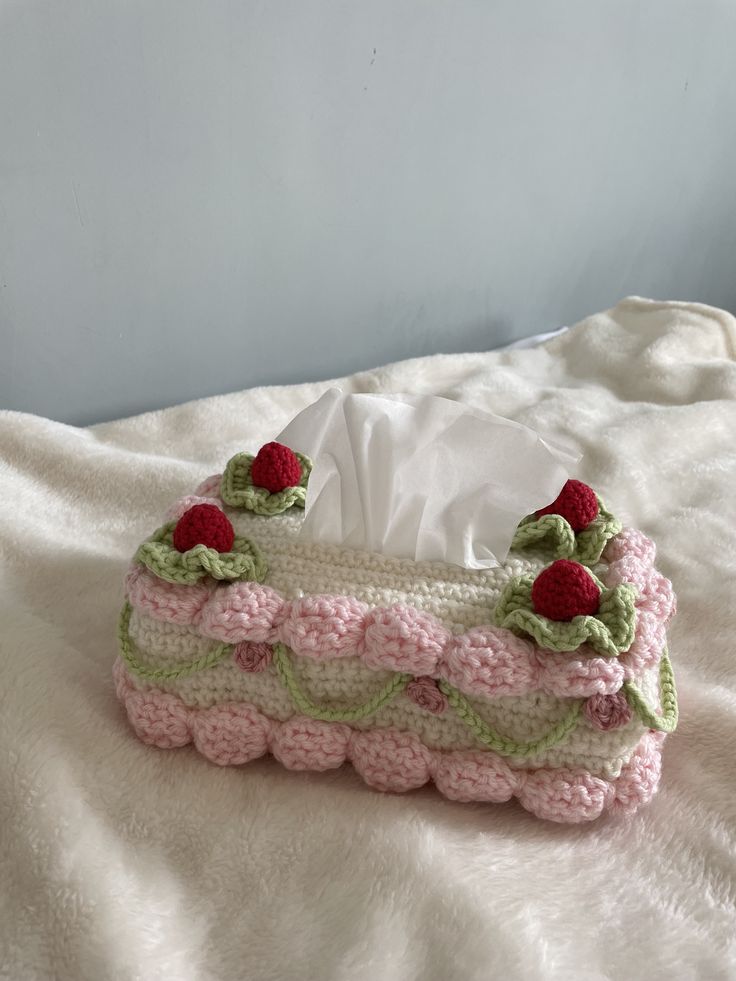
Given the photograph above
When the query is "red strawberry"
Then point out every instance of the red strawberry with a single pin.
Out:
(275, 467)
(565, 590)
(204, 524)
(577, 504)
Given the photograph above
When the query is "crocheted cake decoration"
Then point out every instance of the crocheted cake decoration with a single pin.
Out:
(545, 678)
(576, 503)
(275, 467)
(203, 524)
(565, 590)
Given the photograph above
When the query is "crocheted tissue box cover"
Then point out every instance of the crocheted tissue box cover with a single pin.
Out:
(546, 678)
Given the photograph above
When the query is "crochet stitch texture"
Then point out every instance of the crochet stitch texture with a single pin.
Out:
(552, 534)
(409, 670)
(275, 467)
(239, 490)
(576, 503)
(565, 590)
(203, 524)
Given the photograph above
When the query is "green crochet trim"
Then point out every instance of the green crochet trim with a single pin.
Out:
(667, 722)
(126, 647)
(610, 632)
(244, 561)
(553, 535)
(396, 684)
(285, 669)
(500, 744)
(237, 488)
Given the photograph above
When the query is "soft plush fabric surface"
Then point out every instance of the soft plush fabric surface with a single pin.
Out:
(121, 862)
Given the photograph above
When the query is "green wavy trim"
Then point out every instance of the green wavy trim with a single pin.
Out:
(285, 669)
(553, 535)
(396, 684)
(237, 488)
(127, 652)
(244, 561)
(610, 632)
(667, 722)
(502, 745)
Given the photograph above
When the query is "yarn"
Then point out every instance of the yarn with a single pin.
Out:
(162, 674)
(275, 467)
(390, 690)
(606, 712)
(252, 657)
(459, 598)
(203, 524)
(634, 544)
(391, 760)
(425, 693)
(576, 503)
(667, 721)
(466, 777)
(565, 590)
(610, 632)
(392, 664)
(163, 721)
(286, 672)
(553, 535)
(178, 508)
(485, 734)
(230, 734)
(509, 747)
(308, 744)
(404, 639)
(563, 795)
(238, 489)
(243, 561)
(169, 602)
(489, 661)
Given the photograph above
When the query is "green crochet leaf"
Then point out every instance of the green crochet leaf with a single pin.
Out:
(552, 535)
(237, 488)
(610, 632)
(244, 561)
(667, 721)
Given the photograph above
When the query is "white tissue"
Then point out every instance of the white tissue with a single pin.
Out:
(421, 477)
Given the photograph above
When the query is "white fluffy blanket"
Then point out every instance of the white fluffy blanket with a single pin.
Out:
(123, 862)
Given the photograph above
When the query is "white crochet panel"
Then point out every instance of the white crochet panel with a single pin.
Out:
(459, 598)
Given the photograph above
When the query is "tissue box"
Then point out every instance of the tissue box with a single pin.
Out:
(545, 678)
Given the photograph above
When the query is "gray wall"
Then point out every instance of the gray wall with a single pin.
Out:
(197, 197)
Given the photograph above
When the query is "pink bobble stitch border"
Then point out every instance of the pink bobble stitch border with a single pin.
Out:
(235, 733)
(488, 661)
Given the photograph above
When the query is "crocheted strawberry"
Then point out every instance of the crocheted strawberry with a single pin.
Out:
(204, 524)
(275, 467)
(565, 590)
(577, 504)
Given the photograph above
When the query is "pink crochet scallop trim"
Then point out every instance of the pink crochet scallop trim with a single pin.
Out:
(388, 759)
(210, 487)
(181, 506)
(487, 661)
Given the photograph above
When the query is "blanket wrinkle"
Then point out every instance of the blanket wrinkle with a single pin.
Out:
(118, 861)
